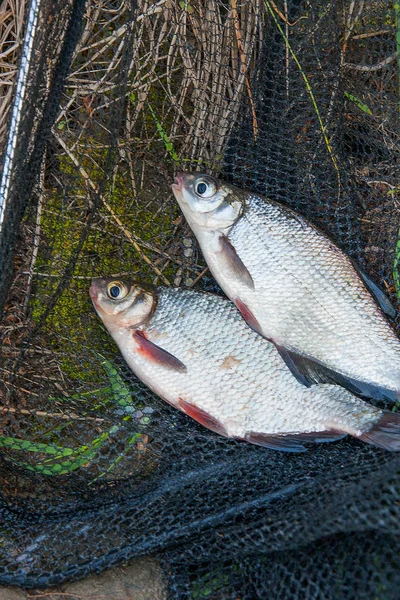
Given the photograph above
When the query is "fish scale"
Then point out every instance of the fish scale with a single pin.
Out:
(314, 277)
(233, 381)
(295, 287)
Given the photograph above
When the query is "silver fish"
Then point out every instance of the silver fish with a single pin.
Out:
(195, 351)
(295, 287)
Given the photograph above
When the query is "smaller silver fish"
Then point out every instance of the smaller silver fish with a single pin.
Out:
(196, 352)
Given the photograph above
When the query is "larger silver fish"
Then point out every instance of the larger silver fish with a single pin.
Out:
(294, 286)
(196, 352)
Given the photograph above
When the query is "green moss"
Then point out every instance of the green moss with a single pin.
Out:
(72, 327)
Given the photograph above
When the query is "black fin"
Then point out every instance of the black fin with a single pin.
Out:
(157, 354)
(293, 442)
(385, 433)
(309, 372)
(235, 263)
(381, 299)
(295, 365)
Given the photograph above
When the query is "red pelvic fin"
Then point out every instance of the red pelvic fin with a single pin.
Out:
(248, 316)
(202, 417)
(234, 262)
(157, 354)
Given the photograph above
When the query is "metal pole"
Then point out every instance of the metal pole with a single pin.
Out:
(20, 90)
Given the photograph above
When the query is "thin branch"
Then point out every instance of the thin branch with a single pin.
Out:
(5, 410)
(155, 8)
(370, 68)
(284, 17)
(69, 595)
(200, 276)
(244, 67)
(362, 36)
(36, 239)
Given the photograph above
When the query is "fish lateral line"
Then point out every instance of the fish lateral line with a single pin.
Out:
(158, 355)
(234, 262)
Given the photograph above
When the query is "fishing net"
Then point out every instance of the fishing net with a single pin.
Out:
(299, 100)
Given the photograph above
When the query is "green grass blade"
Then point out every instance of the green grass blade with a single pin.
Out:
(121, 392)
(132, 440)
(56, 464)
(359, 103)
(77, 458)
(164, 136)
(309, 90)
(28, 446)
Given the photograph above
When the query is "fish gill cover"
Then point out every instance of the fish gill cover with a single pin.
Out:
(298, 100)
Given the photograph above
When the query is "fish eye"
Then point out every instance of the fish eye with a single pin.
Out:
(205, 187)
(117, 290)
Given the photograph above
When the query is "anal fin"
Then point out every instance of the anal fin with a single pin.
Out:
(157, 354)
(234, 262)
(293, 442)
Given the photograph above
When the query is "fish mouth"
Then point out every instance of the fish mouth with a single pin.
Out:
(178, 183)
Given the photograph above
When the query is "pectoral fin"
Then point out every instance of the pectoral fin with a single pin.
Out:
(234, 262)
(309, 372)
(293, 442)
(380, 297)
(157, 354)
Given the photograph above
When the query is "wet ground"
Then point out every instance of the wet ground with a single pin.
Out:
(140, 580)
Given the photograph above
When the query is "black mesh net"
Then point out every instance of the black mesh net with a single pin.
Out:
(299, 100)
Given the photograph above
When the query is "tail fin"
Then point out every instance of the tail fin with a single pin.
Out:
(385, 433)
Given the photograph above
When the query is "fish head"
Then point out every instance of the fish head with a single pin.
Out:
(121, 303)
(206, 202)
